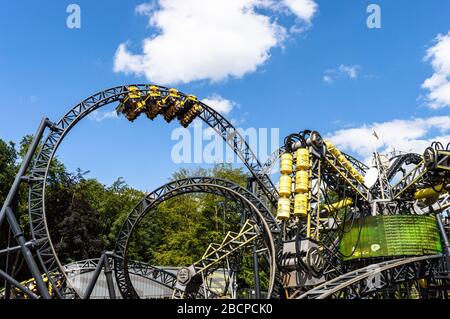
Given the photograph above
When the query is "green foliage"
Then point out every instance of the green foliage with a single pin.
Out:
(178, 232)
(8, 157)
(85, 216)
(113, 205)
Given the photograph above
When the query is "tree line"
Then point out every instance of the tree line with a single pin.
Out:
(85, 216)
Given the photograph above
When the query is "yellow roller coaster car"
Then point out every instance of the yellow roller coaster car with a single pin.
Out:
(154, 104)
(191, 115)
(173, 104)
(188, 103)
(132, 105)
(32, 286)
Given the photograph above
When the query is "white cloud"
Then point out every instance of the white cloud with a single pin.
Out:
(342, 71)
(99, 116)
(145, 8)
(402, 135)
(126, 62)
(351, 71)
(439, 84)
(327, 79)
(207, 40)
(304, 9)
(219, 104)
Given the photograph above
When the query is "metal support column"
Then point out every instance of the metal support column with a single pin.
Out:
(256, 271)
(8, 268)
(27, 255)
(15, 248)
(444, 239)
(23, 168)
(108, 274)
(251, 186)
(15, 283)
(95, 276)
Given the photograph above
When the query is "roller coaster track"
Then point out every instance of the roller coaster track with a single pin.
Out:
(45, 252)
(360, 166)
(410, 158)
(242, 149)
(231, 243)
(420, 173)
(335, 168)
(413, 177)
(271, 161)
(137, 268)
(389, 272)
(253, 209)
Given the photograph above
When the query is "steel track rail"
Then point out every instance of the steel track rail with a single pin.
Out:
(337, 284)
(45, 252)
(144, 270)
(254, 209)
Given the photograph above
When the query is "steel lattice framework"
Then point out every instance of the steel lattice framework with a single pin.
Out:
(358, 283)
(38, 220)
(253, 209)
(336, 193)
(137, 268)
(155, 274)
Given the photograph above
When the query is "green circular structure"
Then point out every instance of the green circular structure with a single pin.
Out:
(392, 236)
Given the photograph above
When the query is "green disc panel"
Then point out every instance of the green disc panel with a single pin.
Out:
(396, 235)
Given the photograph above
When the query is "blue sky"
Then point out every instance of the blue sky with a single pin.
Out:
(304, 81)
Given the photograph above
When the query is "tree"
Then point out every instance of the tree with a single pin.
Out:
(84, 216)
(8, 157)
(178, 232)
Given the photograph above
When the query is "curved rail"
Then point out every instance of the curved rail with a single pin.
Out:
(342, 282)
(272, 160)
(409, 158)
(141, 269)
(255, 210)
(137, 268)
(45, 252)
